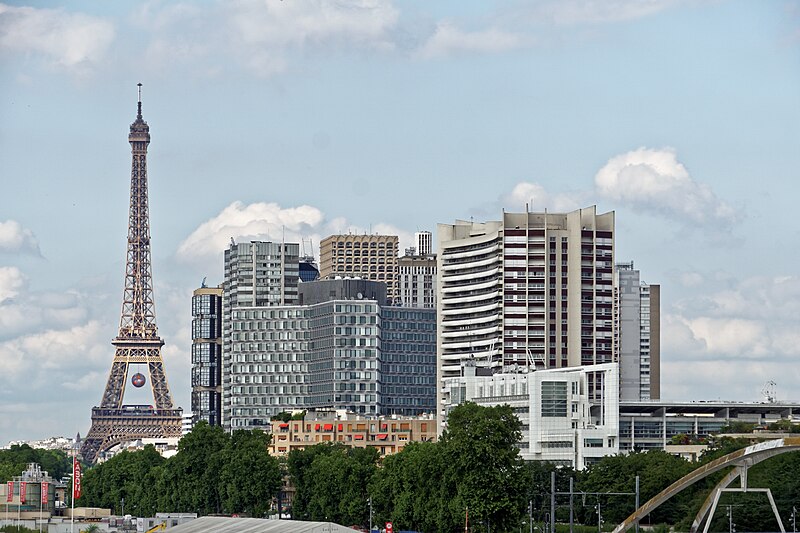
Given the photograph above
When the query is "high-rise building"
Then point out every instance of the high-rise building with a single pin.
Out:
(638, 333)
(308, 268)
(137, 345)
(261, 273)
(372, 257)
(257, 274)
(417, 280)
(207, 355)
(424, 242)
(530, 290)
(343, 348)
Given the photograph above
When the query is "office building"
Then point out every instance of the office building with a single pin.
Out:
(417, 280)
(308, 269)
(372, 257)
(257, 274)
(531, 290)
(343, 348)
(638, 333)
(207, 356)
(569, 415)
(423, 240)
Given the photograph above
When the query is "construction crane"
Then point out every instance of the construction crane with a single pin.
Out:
(768, 391)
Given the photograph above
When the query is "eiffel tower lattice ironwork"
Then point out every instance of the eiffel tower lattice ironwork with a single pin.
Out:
(138, 342)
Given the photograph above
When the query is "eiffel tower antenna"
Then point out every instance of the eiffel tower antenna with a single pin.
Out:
(138, 342)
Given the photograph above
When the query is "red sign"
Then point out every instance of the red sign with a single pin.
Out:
(10, 491)
(21, 492)
(76, 479)
(44, 492)
(388, 527)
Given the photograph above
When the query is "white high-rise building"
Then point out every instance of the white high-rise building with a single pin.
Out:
(424, 242)
(530, 290)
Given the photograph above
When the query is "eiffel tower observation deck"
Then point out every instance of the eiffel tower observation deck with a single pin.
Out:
(138, 343)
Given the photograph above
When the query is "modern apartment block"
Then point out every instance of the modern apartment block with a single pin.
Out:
(417, 280)
(207, 355)
(372, 257)
(261, 273)
(257, 274)
(638, 344)
(343, 348)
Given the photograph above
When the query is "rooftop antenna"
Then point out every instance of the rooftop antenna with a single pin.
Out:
(139, 88)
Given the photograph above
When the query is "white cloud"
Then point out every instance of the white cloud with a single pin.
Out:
(751, 319)
(652, 180)
(539, 199)
(573, 12)
(448, 39)
(63, 38)
(271, 222)
(11, 281)
(261, 35)
(15, 238)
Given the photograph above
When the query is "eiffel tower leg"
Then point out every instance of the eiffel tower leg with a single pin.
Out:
(115, 386)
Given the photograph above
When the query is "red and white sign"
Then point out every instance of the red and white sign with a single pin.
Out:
(389, 527)
(21, 492)
(76, 479)
(44, 492)
(9, 491)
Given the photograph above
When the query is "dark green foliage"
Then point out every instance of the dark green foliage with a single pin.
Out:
(213, 472)
(331, 482)
(16, 529)
(656, 470)
(16, 459)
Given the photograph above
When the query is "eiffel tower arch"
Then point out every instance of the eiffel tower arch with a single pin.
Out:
(138, 342)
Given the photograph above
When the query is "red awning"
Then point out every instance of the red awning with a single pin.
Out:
(382, 436)
(316, 427)
(359, 437)
(340, 427)
(283, 425)
(328, 427)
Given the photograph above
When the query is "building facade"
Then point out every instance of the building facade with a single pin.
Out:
(569, 415)
(257, 274)
(417, 280)
(371, 257)
(207, 355)
(423, 241)
(532, 290)
(388, 434)
(344, 349)
(638, 345)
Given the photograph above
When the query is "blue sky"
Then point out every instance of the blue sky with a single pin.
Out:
(325, 116)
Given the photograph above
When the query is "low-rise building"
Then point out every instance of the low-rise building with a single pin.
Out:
(388, 434)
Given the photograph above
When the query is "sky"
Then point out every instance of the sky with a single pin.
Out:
(307, 118)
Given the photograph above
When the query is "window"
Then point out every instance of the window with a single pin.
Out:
(554, 399)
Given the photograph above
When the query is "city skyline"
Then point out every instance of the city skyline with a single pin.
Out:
(306, 120)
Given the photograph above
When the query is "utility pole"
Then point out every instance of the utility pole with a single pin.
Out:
(571, 519)
(553, 501)
(731, 525)
(530, 515)
(794, 519)
(637, 502)
(370, 514)
(599, 517)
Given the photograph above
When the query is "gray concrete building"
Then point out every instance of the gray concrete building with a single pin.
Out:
(344, 348)
(638, 345)
(417, 280)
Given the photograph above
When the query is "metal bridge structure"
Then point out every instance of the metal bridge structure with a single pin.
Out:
(740, 460)
(138, 342)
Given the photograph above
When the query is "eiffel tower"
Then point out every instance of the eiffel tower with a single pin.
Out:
(138, 342)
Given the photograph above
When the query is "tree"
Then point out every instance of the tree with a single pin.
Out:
(249, 476)
(483, 469)
(331, 481)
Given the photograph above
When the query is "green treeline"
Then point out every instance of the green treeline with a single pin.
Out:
(427, 486)
(213, 472)
(16, 459)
